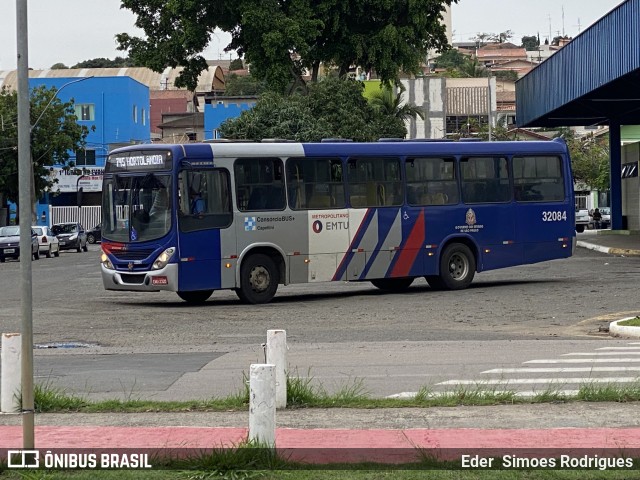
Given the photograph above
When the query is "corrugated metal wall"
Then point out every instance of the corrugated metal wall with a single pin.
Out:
(585, 64)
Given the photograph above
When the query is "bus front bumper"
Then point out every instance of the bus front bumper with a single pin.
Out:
(165, 279)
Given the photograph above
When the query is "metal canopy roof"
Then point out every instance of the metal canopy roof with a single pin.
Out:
(593, 80)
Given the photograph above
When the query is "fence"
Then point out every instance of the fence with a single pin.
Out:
(89, 217)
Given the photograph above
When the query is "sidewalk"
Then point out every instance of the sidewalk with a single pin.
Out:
(354, 435)
(617, 242)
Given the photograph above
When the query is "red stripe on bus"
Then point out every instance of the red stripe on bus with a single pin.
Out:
(410, 250)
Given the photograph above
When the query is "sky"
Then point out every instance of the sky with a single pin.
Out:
(70, 31)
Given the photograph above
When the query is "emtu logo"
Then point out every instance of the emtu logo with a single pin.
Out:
(317, 226)
(23, 459)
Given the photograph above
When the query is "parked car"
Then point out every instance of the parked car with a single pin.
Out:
(10, 243)
(582, 219)
(47, 241)
(71, 235)
(95, 234)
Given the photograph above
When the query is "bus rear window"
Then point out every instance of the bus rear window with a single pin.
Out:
(538, 179)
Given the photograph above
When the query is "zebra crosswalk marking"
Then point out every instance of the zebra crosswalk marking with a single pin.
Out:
(562, 369)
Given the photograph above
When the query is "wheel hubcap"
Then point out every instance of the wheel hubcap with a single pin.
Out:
(259, 279)
(458, 267)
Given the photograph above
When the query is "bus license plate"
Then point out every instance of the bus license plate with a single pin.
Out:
(9, 250)
(159, 281)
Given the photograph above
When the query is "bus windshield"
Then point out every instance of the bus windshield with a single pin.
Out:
(136, 208)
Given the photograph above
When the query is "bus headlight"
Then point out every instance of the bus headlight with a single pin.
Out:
(163, 258)
(106, 263)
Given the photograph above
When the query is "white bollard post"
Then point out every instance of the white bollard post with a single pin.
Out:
(262, 406)
(277, 355)
(11, 375)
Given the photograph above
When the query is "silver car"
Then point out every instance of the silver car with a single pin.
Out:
(48, 243)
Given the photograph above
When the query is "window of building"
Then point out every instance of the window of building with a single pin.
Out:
(431, 181)
(259, 184)
(538, 179)
(485, 180)
(465, 124)
(85, 157)
(315, 183)
(84, 111)
(375, 182)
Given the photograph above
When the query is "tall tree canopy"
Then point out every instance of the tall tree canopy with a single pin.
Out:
(280, 39)
(54, 133)
(332, 108)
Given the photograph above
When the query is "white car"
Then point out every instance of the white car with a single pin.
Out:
(582, 220)
(47, 241)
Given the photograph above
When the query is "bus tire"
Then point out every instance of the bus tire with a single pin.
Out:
(579, 228)
(195, 297)
(259, 279)
(393, 284)
(457, 266)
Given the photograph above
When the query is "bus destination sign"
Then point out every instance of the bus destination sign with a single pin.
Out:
(135, 161)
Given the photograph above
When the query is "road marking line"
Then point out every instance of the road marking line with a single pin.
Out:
(524, 393)
(598, 354)
(587, 360)
(563, 369)
(551, 381)
(618, 348)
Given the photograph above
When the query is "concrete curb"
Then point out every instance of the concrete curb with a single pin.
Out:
(608, 250)
(623, 330)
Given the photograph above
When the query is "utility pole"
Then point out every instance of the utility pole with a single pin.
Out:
(24, 196)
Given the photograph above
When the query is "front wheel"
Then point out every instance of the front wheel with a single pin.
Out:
(393, 284)
(259, 278)
(91, 238)
(457, 266)
(85, 248)
(196, 297)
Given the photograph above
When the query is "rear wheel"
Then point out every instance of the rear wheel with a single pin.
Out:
(57, 252)
(49, 252)
(579, 228)
(36, 254)
(259, 278)
(393, 284)
(457, 266)
(196, 297)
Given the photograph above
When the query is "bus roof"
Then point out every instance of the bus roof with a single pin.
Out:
(205, 151)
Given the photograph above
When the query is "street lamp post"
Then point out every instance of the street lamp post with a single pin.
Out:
(25, 181)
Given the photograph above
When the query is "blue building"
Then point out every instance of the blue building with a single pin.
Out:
(116, 112)
(217, 109)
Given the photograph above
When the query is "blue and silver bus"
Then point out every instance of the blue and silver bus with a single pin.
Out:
(246, 216)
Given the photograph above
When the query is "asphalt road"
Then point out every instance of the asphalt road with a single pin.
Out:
(156, 346)
(558, 299)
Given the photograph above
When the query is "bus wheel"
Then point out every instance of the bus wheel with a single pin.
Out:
(198, 296)
(393, 284)
(457, 266)
(259, 279)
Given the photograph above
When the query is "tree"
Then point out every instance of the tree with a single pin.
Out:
(589, 159)
(333, 108)
(54, 134)
(384, 101)
(101, 62)
(451, 58)
(282, 39)
(58, 66)
(236, 85)
(236, 64)
(501, 37)
(530, 43)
